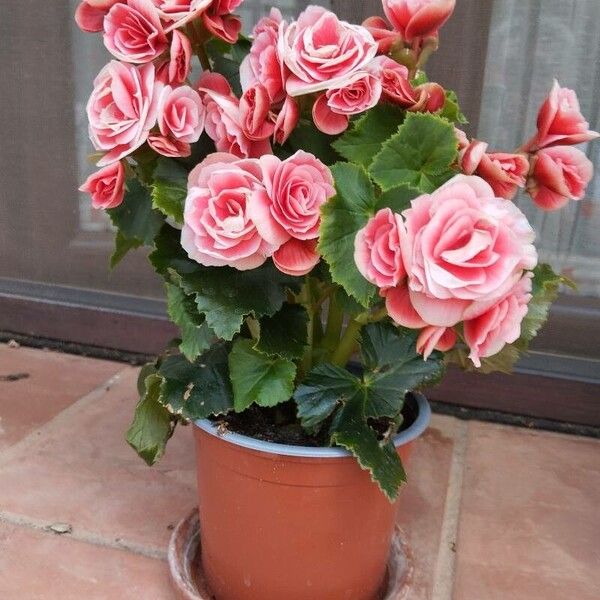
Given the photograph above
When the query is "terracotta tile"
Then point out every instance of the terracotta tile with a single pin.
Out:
(529, 525)
(81, 471)
(40, 566)
(423, 501)
(53, 382)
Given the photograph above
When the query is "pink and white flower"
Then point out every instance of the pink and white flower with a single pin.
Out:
(181, 114)
(169, 146)
(177, 68)
(286, 120)
(297, 257)
(377, 249)
(323, 52)
(435, 338)
(415, 19)
(106, 186)
(504, 171)
(217, 229)
(217, 18)
(133, 32)
(180, 12)
(254, 113)
(395, 84)
(90, 14)
(122, 109)
(500, 324)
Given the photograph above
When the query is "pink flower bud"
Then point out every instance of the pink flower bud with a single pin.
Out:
(435, 338)
(418, 18)
(106, 186)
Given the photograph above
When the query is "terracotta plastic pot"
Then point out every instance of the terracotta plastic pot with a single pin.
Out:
(284, 522)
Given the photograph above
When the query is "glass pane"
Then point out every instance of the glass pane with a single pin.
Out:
(531, 43)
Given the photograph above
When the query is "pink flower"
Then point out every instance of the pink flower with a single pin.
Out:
(418, 18)
(461, 139)
(382, 34)
(220, 22)
(254, 112)
(333, 109)
(122, 109)
(470, 153)
(435, 338)
(560, 121)
(430, 97)
(224, 119)
(179, 65)
(297, 257)
(377, 249)
(169, 146)
(180, 12)
(106, 186)
(399, 307)
(560, 174)
(263, 64)
(286, 121)
(500, 324)
(396, 87)
(323, 52)
(90, 14)
(462, 246)
(505, 172)
(133, 31)
(217, 229)
(294, 191)
(181, 114)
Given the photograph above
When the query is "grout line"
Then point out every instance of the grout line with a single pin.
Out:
(65, 414)
(443, 581)
(84, 536)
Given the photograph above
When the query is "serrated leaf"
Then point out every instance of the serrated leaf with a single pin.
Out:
(122, 246)
(152, 424)
(285, 333)
(351, 431)
(364, 140)
(420, 154)
(257, 378)
(451, 109)
(397, 198)
(322, 391)
(134, 217)
(169, 188)
(341, 218)
(307, 137)
(227, 58)
(168, 255)
(196, 336)
(197, 390)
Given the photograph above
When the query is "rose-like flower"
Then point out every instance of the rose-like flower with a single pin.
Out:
(322, 52)
(463, 245)
(396, 87)
(500, 324)
(133, 32)
(169, 146)
(297, 257)
(430, 97)
(217, 229)
(470, 153)
(90, 14)
(224, 120)
(181, 113)
(178, 66)
(286, 121)
(418, 18)
(180, 12)
(435, 338)
(294, 191)
(122, 109)
(377, 249)
(106, 186)
(263, 64)
(382, 34)
(560, 174)
(333, 109)
(254, 113)
(560, 121)
(217, 18)
(504, 171)
(399, 307)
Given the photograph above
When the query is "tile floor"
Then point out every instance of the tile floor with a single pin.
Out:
(490, 513)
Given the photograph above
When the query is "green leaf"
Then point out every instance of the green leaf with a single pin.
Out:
(258, 378)
(169, 256)
(151, 427)
(420, 154)
(122, 246)
(397, 198)
(285, 333)
(226, 60)
(451, 110)
(197, 390)
(226, 295)
(134, 217)
(196, 336)
(341, 218)
(393, 367)
(306, 136)
(351, 431)
(169, 188)
(364, 140)
(322, 391)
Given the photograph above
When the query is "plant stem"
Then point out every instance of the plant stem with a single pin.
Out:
(348, 343)
(254, 327)
(335, 320)
(307, 300)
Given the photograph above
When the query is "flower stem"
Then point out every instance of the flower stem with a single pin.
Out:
(335, 320)
(348, 343)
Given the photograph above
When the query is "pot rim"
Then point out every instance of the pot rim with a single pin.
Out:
(400, 439)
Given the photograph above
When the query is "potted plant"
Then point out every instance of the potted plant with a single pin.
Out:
(308, 197)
